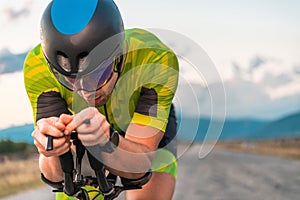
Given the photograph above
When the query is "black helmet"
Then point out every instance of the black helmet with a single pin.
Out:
(82, 39)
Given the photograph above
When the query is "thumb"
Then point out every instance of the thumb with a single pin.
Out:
(65, 119)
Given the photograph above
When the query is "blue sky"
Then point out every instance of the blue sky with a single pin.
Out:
(255, 44)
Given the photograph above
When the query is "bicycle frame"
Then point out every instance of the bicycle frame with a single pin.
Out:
(74, 180)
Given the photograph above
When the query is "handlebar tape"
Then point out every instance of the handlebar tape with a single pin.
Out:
(98, 167)
(67, 165)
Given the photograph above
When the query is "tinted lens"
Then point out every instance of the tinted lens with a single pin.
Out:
(65, 81)
(102, 73)
(89, 82)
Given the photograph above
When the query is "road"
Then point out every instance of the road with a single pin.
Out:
(224, 175)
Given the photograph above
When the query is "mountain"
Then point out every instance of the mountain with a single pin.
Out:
(240, 129)
(192, 129)
(10, 62)
(285, 127)
(18, 133)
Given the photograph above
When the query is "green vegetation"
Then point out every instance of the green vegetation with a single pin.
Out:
(19, 169)
(19, 176)
(285, 147)
(10, 147)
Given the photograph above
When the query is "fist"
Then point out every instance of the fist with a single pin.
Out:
(93, 133)
(51, 127)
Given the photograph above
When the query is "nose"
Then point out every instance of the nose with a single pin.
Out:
(86, 84)
(88, 95)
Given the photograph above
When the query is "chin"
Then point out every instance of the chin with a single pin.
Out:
(100, 101)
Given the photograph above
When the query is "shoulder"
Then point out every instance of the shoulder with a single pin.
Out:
(143, 39)
(35, 61)
(141, 35)
(35, 55)
(145, 47)
(37, 75)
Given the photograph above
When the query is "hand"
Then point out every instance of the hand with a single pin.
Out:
(94, 133)
(52, 126)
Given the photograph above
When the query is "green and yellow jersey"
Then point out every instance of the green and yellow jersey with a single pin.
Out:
(142, 95)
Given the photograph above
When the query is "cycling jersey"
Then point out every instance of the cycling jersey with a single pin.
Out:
(142, 95)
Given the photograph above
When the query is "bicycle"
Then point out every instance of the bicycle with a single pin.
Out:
(74, 181)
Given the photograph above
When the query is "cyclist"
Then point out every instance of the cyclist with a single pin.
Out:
(125, 79)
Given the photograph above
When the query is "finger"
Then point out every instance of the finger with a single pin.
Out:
(60, 126)
(63, 148)
(99, 136)
(49, 129)
(39, 146)
(88, 126)
(65, 119)
(57, 151)
(61, 145)
(59, 142)
(80, 118)
(39, 138)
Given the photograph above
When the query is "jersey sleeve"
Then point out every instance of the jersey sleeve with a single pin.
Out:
(42, 88)
(158, 80)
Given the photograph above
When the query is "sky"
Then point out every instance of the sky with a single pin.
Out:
(254, 44)
(227, 29)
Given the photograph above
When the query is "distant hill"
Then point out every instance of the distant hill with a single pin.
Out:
(10, 62)
(192, 129)
(233, 129)
(18, 133)
(283, 128)
(242, 129)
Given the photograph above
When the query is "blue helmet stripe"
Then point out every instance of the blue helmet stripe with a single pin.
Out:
(72, 16)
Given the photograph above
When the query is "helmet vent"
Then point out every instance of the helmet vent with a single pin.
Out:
(82, 65)
(63, 61)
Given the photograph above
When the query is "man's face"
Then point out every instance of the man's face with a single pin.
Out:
(100, 96)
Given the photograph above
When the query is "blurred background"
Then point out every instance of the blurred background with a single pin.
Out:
(254, 98)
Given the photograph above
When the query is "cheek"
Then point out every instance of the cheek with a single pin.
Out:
(108, 88)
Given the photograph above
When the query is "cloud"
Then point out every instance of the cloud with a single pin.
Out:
(244, 99)
(275, 81)
(13, 13)
(16, 14)
(266, 88)
(10, 62)
(256, 62)
(269, 72)
(296, 69)
(249, 99)
(15, 107)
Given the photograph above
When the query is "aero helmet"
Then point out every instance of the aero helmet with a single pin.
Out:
(82, 41)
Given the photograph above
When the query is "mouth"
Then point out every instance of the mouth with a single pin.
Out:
(91, 98)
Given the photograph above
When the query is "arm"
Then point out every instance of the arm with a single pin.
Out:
(134, 155)
(49, 161)
(132, 159)
(47, 105)
(135, 152)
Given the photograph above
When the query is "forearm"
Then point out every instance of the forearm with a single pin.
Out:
(130, 160)
(50, 167)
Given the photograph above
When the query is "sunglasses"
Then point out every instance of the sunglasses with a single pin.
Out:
(92, 81)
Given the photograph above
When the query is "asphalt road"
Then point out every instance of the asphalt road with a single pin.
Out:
(224, 175)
